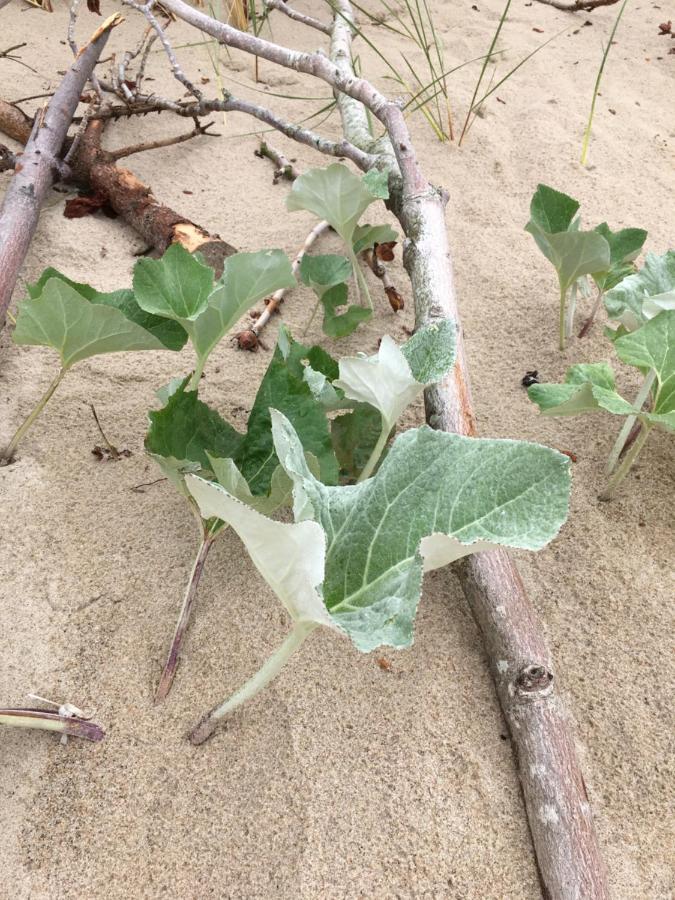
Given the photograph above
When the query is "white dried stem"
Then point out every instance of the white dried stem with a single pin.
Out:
(310, 21)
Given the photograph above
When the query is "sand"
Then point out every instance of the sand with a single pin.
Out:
(343, 780)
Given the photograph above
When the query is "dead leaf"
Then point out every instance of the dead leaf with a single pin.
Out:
(666, 27)
(385, 252)
(94, 6)
(538, 30)
(86, 205)
(396, 301)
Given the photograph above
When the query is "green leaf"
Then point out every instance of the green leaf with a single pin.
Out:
(552, 211)
(624, 246)
(284, 387)
(366, 236)
(338, 196)
(171, 334)
(643, 295)
(431, 351)
(229, 477)
(354, 437)
(62, 318)
(436, 498)
(246, 278)
(577, 253)
(340, 324)
(177, 286)
(323, 272)
(386, 380)
(186, 429)
(653, 347)
(588, 387)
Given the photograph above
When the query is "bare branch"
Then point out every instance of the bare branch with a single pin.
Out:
(40, 160)
(162, 142)
(284, 167)
(287, 10)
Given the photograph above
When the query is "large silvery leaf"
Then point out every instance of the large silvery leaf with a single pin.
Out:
(290, 557)
(170, 333)
(577, 253)
(337, 195)
(62, 318)
(246, 278)
(652, 348)
(624, 246)
(588, 387)
(387, 381)
(643, 295)
(437, 497)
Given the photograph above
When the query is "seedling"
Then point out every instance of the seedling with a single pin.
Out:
(181, 288)
(606, 256)
(340, 197)
(589, 387)
(79, 322)
(354, 558)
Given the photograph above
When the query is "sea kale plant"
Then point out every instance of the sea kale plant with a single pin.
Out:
(353, 558)
(603, 255)
(340, 197)
(173, 299)
(644, 306)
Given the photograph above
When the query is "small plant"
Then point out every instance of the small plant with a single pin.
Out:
(603, 255)
(187, 437)
(354, 558)
(590, 387)
(79, 322)
(340, 197)
(173, 299)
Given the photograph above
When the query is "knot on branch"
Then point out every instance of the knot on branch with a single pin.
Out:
(533, 682)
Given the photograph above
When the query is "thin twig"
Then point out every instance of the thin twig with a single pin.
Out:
(284, 167)
(578, 5)
(287, 10)
(163, 142)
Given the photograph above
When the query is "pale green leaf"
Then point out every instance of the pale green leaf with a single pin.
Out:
(176, 286)
(62, 318)
(366, 236)
(624, 246)
(588, 387)
(324, 272)
(577, 253)
(551, 210)
(652, 347)
(629, 303)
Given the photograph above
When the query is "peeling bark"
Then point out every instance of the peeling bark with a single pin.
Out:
(35, 173)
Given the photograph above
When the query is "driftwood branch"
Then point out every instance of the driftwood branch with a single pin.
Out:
(122, 152)
(40, 163)
(310, 21)
(559, 814)
(578, 5)
(94, 169)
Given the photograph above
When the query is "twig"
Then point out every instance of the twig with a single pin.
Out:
(284, 167)
(249, 339)
(162, 142)
(33, 179)
(378, 269)
(287, 10)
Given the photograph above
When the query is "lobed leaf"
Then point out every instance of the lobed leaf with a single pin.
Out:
(435, 498)
(652, 347)
(177, 286)
(643, 295)
(77, 328)
(624, 246)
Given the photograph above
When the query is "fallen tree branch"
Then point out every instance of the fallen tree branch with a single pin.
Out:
(578, 5)
(566, 848)
(284, 167)
(123, 152)
(94, 169)
(310, 21)
(35, 175)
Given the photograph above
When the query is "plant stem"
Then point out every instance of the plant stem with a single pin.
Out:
(169, 672)
(587, 133)
(562, 324)
(620, 442)
(571, 307)
(586, 327)
(374, 457)
(197, 374)
(48, 721)
(8, 453)
(269, 670)
(627, 463)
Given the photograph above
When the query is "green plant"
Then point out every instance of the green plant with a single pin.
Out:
(79, 322)
(590, 387)
(354, 558)
(606, 256)
(340, 197)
